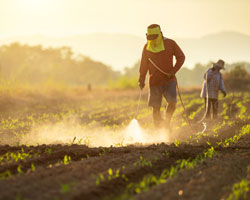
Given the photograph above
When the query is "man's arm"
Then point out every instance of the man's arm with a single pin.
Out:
(180, 57)
(222, 86)
(143, 68)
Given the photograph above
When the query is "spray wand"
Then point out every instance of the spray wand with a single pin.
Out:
(139, 100)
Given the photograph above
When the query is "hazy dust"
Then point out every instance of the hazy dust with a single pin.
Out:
(71, 132)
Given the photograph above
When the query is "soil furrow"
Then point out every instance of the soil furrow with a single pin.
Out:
(82, 173)
(44, 158)
(217, 175)
(112, 189)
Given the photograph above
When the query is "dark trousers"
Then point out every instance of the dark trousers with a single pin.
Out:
(211, 103)
(170, 108)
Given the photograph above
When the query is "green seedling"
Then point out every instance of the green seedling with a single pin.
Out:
(19, 197)
(239, 190)
(176, 143)
(99, 179)
(65, 188)
(48, 150)
(5, 175)
(103, 151)
(19, 169)
(166, 153)
(142, 162)
(14, 157)
(33, 168)
(79, 141)
(248, 168)
(66, 160)
(73, 141)
(86, 141)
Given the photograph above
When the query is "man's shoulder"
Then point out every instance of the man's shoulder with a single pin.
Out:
(170, 43)
(209, 71)
(168, 40)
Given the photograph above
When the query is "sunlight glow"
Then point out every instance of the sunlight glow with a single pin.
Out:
(63, 17)
(34, 6)
(36, 3)
(134, 133)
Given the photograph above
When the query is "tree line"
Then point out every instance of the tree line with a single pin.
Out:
(236, 75)
(36, 64)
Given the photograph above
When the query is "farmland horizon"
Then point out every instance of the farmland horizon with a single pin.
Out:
(201, 49)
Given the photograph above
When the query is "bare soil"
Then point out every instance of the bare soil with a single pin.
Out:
(54, 179)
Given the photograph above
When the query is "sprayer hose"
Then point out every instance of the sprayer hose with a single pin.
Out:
(206, 109)
(184, 108)
(178, 90)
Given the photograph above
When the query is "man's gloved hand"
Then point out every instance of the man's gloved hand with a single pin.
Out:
(224, 93)
(141, 85)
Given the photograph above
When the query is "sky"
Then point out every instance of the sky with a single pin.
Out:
(178, 18)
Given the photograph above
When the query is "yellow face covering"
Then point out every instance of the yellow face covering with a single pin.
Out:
(156, 45)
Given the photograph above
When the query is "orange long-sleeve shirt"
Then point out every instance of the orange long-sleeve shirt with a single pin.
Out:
(163, 60)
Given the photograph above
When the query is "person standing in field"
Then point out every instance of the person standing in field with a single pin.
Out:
(213, 82)
(157, 59)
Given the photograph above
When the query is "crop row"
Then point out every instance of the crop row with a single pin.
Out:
(186, 163)
(240, 189)
(150, 180)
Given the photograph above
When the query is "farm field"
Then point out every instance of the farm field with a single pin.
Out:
(86, 145)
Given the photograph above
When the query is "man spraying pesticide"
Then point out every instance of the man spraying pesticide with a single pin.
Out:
(157, 59)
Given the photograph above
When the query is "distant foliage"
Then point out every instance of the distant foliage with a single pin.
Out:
(192, 77)
(132, 71)
(237, 78)
(129, 80)
(36, 65)
(236, 75)
(124, 82)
